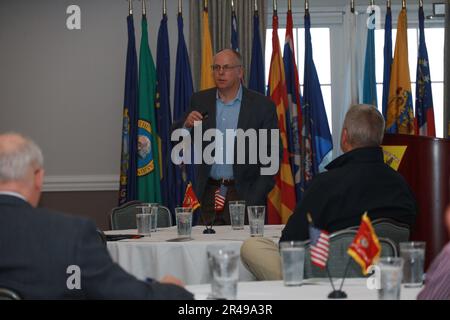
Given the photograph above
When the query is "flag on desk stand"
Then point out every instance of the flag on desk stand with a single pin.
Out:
(183, 91)
(315, 116)
(387, 59)
(400, 115)
(281, 200)
(424, 121)
(257, 78)
(164, 117)
(128, 160)
(365, 248)
(294, 114)
(190, 199)
(320, 245)
(220, 197)
(148, 160)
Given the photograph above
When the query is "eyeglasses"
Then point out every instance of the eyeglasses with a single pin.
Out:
(224, 68)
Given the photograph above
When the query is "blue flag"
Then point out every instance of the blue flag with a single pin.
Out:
(164, 116)
(293, 117)
(234, 32)
(387, 60)
(128, 162)
(183, 92)
(315, 114)
(370, 83)
(424, 121)
(257, 77)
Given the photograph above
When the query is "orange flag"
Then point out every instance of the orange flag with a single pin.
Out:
(190, 199)
(365, 248)
(206, 76)
(281, 200)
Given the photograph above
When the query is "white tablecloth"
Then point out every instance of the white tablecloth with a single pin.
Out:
(155, 257)
(312, 289)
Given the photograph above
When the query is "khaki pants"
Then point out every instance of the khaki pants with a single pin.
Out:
(262, 258)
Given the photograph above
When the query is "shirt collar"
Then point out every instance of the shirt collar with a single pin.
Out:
(237, 98)
(13, 194)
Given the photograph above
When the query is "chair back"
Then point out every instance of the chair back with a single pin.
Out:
(338, 256)
(8, 294)
(102, 236)
(164, 217)
(124, 217)
(391, 229)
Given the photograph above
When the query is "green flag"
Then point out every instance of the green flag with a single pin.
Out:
(148, 155)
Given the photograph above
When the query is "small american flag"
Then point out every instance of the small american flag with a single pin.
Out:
(320, 242)
(219, 199)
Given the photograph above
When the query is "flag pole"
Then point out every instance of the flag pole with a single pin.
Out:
(420, 3)
(403, 4)
(130, 7)
(352, 6)
(345, 274)
(180, 7)
(306, 6)
(275, 6)
(144, 8)
(256, 5)
(289, 5)
(164, 7)
(205, 5)
(232, 6)
(388, 4)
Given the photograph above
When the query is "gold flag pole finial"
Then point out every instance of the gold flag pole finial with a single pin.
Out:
(180, 7)
(144, 8)
(130, 7)
(164, 7)
(205, 5)
(289, 5)
(403, 4)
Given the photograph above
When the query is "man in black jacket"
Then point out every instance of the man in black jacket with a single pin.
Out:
(48, 255)
(356, 182)
(231, 106)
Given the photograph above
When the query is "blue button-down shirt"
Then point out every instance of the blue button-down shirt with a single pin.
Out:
(227, 115)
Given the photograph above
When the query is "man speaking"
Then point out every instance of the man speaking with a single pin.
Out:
(231, 106)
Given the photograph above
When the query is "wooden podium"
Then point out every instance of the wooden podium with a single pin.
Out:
(426, 168)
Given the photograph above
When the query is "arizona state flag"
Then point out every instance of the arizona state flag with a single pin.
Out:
(206, 76)
(400, 115)
(281, 200)
(365, 248)
(190, 199)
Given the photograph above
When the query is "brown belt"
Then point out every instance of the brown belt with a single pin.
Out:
(226, 182)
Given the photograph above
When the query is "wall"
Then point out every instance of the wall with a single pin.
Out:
(65, 89)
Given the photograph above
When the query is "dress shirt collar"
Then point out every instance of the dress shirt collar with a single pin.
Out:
(237, 98)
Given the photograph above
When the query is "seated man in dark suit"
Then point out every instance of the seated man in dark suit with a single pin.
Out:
(43, 252)
(356, 182)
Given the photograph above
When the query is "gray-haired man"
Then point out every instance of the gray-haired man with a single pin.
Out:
(39, 248)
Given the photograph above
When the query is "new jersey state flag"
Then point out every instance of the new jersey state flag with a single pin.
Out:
(365, 248)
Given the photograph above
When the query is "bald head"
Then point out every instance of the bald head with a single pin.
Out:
(21, 166)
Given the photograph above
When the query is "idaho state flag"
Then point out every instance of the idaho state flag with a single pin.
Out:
(281, 200)
(365, 248)
(190, 199)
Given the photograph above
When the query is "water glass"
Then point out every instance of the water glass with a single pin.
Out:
(391, 273)
(225, 271)
(184, 222)
(292, 261)
(413, 254)
(144, 220)
(256, 216)
(237, 214)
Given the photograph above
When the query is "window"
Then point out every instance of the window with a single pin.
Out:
(321, 52)
(434, 38)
